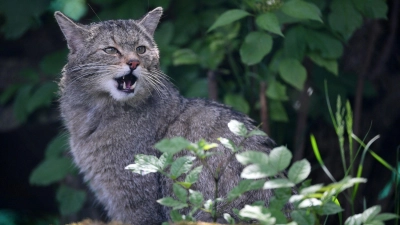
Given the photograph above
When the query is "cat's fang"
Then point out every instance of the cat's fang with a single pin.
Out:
(133, 86)
(123, 85)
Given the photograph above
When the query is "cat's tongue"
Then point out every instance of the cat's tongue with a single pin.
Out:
(126, 83)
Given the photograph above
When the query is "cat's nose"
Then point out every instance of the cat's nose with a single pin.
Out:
(133, 63)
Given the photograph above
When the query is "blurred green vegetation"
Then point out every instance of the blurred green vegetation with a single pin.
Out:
(288, 47)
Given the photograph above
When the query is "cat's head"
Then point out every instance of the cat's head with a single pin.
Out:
(116, 57)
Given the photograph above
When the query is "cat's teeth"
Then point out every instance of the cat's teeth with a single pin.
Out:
(124, 85)
(133, 86)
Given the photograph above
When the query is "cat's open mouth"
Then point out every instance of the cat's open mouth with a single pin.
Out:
(127, 83)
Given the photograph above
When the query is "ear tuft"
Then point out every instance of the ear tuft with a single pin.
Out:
(73, 33)
(151, 19)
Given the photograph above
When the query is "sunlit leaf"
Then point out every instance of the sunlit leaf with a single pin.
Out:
(280, 158)
(193, 175)
(257, 171)
(228, 144)
(237, 128)
(299, 171)
(278, 183)
(196, 198)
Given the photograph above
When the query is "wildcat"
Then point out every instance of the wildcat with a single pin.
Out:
(116, 103)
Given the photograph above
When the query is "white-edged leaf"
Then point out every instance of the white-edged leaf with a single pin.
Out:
(299, 171)
(278, 183)
(257, 212)
(370, 213)
(228, 144)
(312, 189)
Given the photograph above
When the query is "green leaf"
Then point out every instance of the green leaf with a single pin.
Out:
(74, 9)
(324, 44)
(179, 192)
(181, 165)
(258, 213)
(244, 186)
(280, 158)
(228, 17)
(196, 198)
(370, 213)
(145, 164)
(344, 18)
(193, 175)
(237, 128)
(170, 202)
(302, 10)
(277, 91)
(50, 171)
(330, 208)
(257, 132)
(57, 146)
(329, 64)
(172, 146)
(302, 217)
(228, 144)
(374, 9)
(19, 16)
(386, 216)
(257, 171)
(278, 112)
(293, 72)
(249, 157)
(294, 44)
(184, 57)
(299, 171)
(175, 216)
(229, 218)
(256, 45)
(70, 200)
(269, 22)
(278, 183)
(354, 220)
(20, 103)
(8, 93)
(53, 63)
(237, 102)
(42, 97)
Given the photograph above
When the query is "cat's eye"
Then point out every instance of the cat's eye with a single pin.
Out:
(111, 50)
(141, 49)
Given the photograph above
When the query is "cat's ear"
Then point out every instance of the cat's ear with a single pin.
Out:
(151, 19)
(73, 33)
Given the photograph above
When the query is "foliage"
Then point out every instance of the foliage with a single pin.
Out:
(261, 171)
(247, 42)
